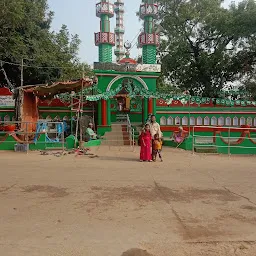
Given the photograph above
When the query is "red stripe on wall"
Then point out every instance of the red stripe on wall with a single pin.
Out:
(130, 113)
(205, 112)
(62, 111)
(5, 91)
(204, 129)
(104, 112)
(150, 106)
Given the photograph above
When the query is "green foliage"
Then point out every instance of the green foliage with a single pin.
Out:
(25, 34)
(163, 86)
(207, 46)
(249, 83)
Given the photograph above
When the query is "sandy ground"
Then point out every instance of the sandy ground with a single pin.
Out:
(189, 205)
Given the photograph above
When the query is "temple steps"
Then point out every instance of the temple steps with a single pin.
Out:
(118, 136)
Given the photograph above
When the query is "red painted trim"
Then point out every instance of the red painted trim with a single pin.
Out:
(5, 92)
(62, 111)
(52, 103)
(243, 135)
(104, 112)
(150, 106)
(59, 103)
(204, 112)
(130, 113)
(204, 129)
(177, 103)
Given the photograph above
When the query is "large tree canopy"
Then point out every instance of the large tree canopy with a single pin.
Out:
(206, 46)
(25, 35)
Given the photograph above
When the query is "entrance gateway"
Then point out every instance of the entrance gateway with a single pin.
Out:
(128, 100)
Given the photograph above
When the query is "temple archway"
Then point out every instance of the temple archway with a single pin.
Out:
(118, 79)
(128, 101)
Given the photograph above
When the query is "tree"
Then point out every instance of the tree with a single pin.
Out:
(25, 35)
(206, 46)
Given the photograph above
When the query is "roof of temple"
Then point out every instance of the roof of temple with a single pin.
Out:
(127, 61)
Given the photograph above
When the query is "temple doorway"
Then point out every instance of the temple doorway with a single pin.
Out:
(123, 103)
(123, 99)
(128, 102)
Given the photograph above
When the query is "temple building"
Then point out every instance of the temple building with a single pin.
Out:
(125, 91)
(126, 71)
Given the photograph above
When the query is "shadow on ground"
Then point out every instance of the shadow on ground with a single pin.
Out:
(136, 252)
(118, 158)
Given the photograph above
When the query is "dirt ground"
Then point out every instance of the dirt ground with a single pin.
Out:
(189, 205)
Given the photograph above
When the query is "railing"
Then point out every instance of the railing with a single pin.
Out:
(13, 134)
(130, 131)
(226, 139)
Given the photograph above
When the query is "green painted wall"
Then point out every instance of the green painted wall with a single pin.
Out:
(247, 147)
(105, 77)
(7, 114)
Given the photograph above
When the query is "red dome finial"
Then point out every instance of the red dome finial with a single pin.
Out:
(127, 59)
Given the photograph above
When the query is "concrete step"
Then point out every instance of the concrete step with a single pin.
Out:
(122, 137)
(115, 134)
(210, 150)
(115, 142)
(115, 129)
(118, 136)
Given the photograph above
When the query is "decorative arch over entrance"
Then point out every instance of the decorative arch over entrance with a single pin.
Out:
(137, 78)
(128, 100)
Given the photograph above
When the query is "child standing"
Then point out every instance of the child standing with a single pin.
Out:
(157, 147)
(145, 144)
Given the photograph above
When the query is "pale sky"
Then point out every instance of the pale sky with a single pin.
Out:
(79, 16)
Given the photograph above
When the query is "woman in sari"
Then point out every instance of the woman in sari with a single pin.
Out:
(145, 144)
(179, 136)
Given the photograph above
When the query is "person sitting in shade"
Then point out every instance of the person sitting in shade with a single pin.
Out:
(91, 133)
(179, 136)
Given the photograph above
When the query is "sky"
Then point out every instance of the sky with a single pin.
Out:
(80, 18)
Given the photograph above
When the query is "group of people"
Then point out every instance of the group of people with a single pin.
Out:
(151, 141)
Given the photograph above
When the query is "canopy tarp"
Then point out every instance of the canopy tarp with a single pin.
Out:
(26, 99)
(49, 91)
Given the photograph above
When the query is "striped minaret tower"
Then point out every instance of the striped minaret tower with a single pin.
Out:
(149, 39)
(119, 30)
(104, 39)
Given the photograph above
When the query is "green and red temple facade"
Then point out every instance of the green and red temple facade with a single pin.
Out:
(169, 116)
(111, 75)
